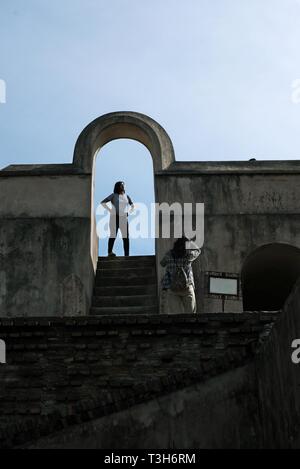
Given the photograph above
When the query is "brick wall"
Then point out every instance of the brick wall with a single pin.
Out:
(60, 372)
(279, 380)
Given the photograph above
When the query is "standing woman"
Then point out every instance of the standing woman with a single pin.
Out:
(118, 216)
(178, 288)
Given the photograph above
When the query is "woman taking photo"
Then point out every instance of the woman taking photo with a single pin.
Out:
(118, 216)
(178, 288)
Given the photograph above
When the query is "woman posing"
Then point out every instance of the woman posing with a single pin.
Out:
(118, 216)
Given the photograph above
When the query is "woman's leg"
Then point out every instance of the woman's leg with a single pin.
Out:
(174, 303)
(189, 301)
(126, 246)
(125, 233)
(111, 243)
(113, 228)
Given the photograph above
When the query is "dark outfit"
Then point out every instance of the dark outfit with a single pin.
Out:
(118, 220)
(122, 224)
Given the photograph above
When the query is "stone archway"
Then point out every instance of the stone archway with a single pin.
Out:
(268, 276)
(117, 125)
(112, 126)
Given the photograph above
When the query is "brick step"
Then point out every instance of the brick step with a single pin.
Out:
(123, 263)
(126, 259)
(125, 285)
(120, 301)
(126, 290)
(128, 272)
(102, 281)
(124, 310)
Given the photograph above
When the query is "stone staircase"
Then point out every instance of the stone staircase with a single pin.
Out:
(125, 285)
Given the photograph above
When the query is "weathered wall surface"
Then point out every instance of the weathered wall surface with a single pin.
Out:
(254, 406)
(44, 196)
(221, 413)
(48, 241)
(46, 224)
(242, 212)
(66, 371)
(45, 245)
(279, 380)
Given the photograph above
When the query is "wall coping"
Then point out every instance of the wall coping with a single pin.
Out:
(232, 167)
(147, 319)
(41, 170)
(177, 168)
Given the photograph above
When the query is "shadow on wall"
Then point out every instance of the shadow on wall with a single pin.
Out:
(268, 276)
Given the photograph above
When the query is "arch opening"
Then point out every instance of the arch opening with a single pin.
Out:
(268, 276)
(129, 161)
(113, 126)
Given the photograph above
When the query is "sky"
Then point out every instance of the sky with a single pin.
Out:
(219, 75)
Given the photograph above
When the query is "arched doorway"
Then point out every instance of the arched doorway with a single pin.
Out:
(268, 276)
(129, 161)
(113, 126)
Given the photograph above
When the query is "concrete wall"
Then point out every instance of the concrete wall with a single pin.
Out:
(279, 380)
(63, 372)
(221, 413)
(48, 240)
(253, 406)
(45, 244)
(242, 212)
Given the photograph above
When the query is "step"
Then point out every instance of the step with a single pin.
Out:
(121, 264)
(126, 290)
(124, 310)
(120, 301)
(127, 259)
(123, 281)
(128, 272)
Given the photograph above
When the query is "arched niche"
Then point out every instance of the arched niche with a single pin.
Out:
(117, 125)
(268, 276)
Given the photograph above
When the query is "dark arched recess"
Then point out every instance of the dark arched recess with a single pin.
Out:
(268, 276)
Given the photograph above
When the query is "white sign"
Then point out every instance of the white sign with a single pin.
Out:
(223, 286)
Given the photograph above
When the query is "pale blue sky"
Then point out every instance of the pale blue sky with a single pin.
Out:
(216, 74)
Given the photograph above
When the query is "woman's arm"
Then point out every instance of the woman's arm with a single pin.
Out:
(193, 251)
(192, 254)
(104, 202)
(131, 204)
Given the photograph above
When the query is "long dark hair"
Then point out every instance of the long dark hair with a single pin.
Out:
(179, 249)
(118, 187)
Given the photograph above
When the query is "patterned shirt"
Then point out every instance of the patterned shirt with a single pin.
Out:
(172, 263)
